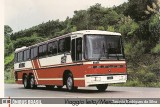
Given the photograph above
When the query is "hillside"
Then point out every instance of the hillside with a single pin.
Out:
(138, 22)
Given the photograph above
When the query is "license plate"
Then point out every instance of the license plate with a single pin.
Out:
(109, 78)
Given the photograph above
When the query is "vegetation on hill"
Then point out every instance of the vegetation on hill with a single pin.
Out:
(137, 20)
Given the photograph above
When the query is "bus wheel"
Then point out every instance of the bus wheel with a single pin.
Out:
(70, 83)
(102, 87)
(32, 82)
(25, 82)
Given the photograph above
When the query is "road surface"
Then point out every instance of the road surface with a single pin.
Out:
(16, 90)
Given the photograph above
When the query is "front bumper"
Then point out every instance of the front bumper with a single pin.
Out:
(104, 79)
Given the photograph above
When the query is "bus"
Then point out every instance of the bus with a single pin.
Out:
(77, 59)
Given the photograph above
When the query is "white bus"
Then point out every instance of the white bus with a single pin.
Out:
(78, 59)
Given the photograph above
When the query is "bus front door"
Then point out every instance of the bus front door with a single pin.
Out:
(76, 49)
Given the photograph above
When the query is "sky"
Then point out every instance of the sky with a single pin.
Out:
(23, 14)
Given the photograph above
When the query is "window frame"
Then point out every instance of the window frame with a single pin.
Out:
(74, 51)
(51, 46)
(20, 56)
(43, 53)
(85, 50)
(28, 54)
(25, 55)
(61, 52)
(33, 56)
(65, 45)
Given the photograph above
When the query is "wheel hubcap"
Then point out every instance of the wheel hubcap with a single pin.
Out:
(69, 83)
(25, 82)
(32, 82)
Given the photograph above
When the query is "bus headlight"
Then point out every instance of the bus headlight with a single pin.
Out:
(96, 79)
(123, 77)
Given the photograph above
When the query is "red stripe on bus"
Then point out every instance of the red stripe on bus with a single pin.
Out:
(35, 64)
(39, 63)
(34, 72)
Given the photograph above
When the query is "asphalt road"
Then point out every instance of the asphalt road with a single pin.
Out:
(15, 90)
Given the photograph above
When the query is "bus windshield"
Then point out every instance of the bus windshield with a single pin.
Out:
(103, 47)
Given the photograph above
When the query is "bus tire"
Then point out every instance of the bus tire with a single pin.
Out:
(102, 87)
(25, 82)
(32, 84)
(70, 83)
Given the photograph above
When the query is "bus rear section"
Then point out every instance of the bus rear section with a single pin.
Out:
(79, 59)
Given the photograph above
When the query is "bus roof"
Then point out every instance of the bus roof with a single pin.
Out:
(22, 48)
(83, 32)
(96, 32)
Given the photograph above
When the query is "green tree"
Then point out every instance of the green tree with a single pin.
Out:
(80, 19)
(128, 27)
(7, 30)
(136, 9)
(100, 28)
(9, 56)
(27, 41)
(96, 15)
(154, 8)
(110, 28)
(121, 8)
(7, 41)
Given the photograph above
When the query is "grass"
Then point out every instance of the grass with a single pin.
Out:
(9, 81)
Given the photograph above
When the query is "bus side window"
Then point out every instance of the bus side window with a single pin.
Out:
(18, 57)
(64, 45)
(67, 44)
(28, 54)
(73, 49)
(61, 46)
(34, 52)
(44, 50)
(50, 45)
(21, 56)
(79, 49)
(54, 47)
(25, 55)
(40, 50)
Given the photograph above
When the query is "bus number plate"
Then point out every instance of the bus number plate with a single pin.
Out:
(109, 78)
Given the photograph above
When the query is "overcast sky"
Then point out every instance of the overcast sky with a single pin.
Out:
(23, 14)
